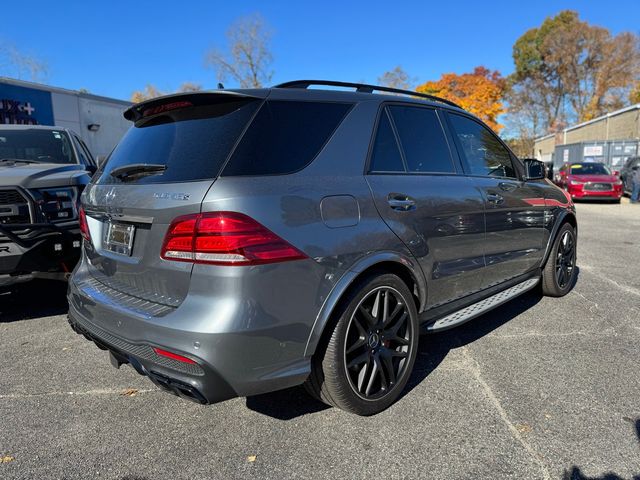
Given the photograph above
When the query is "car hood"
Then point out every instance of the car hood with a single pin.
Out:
(594, 178)
(42, 175)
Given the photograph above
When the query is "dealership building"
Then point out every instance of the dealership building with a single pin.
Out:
(98, 120)
(610, 139)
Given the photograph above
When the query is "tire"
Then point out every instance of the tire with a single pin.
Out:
(367, 355)
(559, 273)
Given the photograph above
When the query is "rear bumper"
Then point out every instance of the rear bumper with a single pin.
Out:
(240, 346)
(44, 250)
(194, 382)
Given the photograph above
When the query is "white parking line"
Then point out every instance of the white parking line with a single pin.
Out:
(592, 270)
(120, 391)
(475, 370)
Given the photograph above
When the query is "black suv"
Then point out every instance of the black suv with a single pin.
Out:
(43, 171)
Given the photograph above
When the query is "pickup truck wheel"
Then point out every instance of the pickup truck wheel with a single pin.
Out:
(559, 274)
(366, 360)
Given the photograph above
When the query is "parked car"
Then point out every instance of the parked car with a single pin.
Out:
(43, 171)
(590, 181)
(240, 242)
(626, 173)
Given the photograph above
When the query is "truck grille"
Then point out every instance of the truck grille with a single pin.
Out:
(14, 207)
(598, 187)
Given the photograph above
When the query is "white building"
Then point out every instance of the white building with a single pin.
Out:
(98, 120)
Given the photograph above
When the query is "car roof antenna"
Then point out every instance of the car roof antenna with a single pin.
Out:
(220, 86)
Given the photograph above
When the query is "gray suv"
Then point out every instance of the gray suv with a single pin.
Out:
(238, 242)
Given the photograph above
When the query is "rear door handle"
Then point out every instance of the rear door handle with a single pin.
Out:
(495, 198)
(399, 201)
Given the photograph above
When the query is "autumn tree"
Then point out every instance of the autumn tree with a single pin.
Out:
(248, 59)
(567, 70)
(396, 78)
(150, 91)
(480, 92)
(21, 65)
(634, 96)
(190, 87)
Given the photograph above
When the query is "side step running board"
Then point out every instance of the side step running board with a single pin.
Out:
(464, 315)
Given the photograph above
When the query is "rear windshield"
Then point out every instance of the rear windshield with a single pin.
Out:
(285, 137)
(193, 143)
(37, 145)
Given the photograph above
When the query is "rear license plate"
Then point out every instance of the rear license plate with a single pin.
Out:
(119, 238)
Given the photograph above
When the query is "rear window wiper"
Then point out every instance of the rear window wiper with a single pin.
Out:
(126, 172)
(17, 160)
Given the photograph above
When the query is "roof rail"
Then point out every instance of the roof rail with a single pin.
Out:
(363, 88)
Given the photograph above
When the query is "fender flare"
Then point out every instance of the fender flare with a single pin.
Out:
(560, 220)
(347, 279)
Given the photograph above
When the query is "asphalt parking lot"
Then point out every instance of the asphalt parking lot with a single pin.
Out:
(539, 388)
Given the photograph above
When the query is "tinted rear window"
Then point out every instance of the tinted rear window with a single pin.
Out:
(192, 142)
(422, 139)
(284, 137)
(386, 155)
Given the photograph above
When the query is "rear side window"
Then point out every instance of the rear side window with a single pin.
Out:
(422, 139)
(385, 156)
(483, 152)
(285, 137)
(193, 142)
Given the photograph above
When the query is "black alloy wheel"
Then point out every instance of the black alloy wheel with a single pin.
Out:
(560, 272)
(365, 359)
(378, 341)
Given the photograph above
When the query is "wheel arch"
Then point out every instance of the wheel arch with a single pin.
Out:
(566, 216)
(388, 262)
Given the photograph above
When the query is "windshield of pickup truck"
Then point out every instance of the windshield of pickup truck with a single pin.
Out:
(42, 146)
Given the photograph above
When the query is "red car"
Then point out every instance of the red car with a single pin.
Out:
(590, 181)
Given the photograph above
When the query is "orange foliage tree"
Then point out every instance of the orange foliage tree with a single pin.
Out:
(479, 92)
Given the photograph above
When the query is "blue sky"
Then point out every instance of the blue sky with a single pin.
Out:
(114, 47)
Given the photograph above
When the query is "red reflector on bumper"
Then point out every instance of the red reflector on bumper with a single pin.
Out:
(172, 355)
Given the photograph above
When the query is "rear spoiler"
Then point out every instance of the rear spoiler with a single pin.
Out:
(165, 103)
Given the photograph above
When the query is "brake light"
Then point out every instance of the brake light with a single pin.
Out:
(172, 355)
(84, 226)
(225, 238)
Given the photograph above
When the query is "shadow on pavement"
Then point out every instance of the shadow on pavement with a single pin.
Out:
(576, 474)
(35, 299)
(285, 404)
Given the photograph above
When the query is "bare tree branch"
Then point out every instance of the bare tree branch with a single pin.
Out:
(397, 78)
(20, 65)
(248, 59)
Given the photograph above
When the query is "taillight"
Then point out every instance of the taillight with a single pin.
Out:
(225, 238)
(84, 226)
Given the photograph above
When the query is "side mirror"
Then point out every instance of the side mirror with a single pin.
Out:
(534, 169)
(616, 173)
(100, 159)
